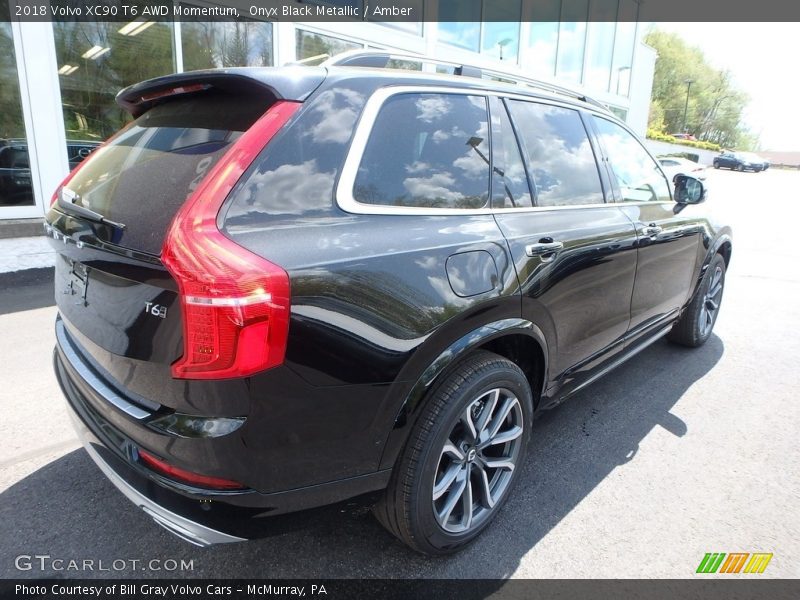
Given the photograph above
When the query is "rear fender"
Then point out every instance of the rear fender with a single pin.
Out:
(414, 401)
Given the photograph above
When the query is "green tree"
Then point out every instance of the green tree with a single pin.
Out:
(714, 109)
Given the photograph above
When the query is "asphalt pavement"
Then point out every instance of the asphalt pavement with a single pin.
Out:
(675, 454)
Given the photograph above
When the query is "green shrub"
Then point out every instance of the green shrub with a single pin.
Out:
(663, 137)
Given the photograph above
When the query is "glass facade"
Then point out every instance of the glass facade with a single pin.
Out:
(572, 41)
(96, 60)
(310, 44)
(15, 173)
(501, 31)
(589, 43)
(460, 23)
(542, 43)
(220, 44)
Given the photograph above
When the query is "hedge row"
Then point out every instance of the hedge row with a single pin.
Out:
(663, 137)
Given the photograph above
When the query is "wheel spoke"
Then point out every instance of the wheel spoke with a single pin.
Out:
(715, 289)
(447, 480)
(500, 418)
(707, 319)
(466, 418)
(488, 408)
(466, 520)
(506, 436)
(452, 450)
(486, 491)
(499, 463)
(452, 500)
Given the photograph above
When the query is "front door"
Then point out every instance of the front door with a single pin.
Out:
(668, 242)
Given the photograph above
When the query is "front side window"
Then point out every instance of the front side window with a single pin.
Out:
(429, 151)
(638, 176)
(560, 159)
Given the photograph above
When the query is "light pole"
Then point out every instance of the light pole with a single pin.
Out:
(689, 83)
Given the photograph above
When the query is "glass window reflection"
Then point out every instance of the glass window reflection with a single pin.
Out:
(638, 176)
(427, 150)
(560, 159)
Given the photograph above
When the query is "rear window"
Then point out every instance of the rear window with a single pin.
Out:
(427, 150)
(146, 173)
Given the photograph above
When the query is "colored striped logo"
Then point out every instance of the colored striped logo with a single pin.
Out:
(734, 562)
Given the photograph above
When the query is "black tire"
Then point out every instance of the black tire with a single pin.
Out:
(716, 164)
(697, 322)
(740, 168)
(408, 508)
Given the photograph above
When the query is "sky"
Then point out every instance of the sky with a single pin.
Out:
(764, 61)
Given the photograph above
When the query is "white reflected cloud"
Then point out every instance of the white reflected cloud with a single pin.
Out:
(289, 189)
(338, 111)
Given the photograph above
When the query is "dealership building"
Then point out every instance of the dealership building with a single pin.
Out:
(58, 80)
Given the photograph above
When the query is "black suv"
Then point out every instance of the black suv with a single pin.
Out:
(280, 288)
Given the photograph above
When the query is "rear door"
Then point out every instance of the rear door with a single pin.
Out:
(667, 240)
(574, 253)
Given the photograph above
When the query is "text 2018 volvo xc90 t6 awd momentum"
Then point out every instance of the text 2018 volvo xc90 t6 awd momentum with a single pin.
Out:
(279, 288)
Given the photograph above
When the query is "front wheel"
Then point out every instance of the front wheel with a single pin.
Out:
(462, 457)
(740, 168)
(697, 322)
(716, 164)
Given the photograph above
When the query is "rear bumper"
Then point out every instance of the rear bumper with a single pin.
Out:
(185, 528)
(200, 516)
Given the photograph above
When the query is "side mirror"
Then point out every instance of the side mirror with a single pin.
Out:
(688, 190)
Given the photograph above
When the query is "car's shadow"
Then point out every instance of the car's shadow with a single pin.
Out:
(68, 510)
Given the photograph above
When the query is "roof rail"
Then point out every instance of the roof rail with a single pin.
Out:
(380, 59)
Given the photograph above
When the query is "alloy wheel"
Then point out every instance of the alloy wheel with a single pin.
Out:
(711, 302)
(477, 460)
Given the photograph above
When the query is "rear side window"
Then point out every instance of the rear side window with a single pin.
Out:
(143, 176)
(638, 177)
(427, 150)
(560, 157)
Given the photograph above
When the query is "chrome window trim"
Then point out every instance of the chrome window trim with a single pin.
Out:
(344, 187)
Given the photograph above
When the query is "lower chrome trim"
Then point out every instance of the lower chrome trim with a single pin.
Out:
(184, 528)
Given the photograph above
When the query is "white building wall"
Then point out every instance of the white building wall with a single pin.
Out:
(644, 64)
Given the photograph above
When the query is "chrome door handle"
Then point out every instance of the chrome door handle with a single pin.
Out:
(651, 230)
(543, 248)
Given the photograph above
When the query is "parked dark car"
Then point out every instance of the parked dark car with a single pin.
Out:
(282, 288)
(740, 161)
(15, 174)
(15, 171)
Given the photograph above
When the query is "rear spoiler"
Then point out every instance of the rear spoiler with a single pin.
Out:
(274, 83)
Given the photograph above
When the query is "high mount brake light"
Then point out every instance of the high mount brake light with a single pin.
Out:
(175, 91)
(235, 303)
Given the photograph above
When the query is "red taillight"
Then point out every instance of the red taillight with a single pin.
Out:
(185, 476)
(235, 303)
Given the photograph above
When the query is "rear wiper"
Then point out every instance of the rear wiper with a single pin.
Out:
(86, 213)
